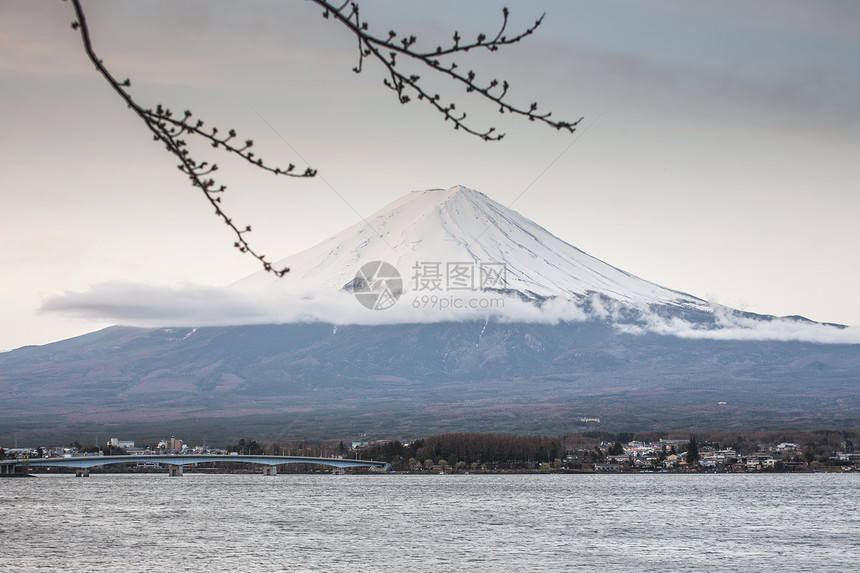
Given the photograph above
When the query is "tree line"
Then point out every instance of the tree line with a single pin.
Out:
(470, 450)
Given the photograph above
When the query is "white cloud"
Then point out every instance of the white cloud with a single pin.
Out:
(730, 325)
(148, 305)
(194, 305)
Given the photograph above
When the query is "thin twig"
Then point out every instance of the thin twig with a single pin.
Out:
(386, 51)
(169, 130)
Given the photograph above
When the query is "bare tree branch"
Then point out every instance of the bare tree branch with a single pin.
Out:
(387, 49)
(170, 129)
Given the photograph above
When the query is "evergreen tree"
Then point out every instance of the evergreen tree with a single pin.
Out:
(692, 451)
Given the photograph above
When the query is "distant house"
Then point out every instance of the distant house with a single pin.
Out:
(122, 444)
(607, 467)
(760, 461)
(673, 443)
(715, 458)
(171, 445)
(647, 462)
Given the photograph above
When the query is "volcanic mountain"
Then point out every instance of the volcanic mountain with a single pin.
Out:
(445, 311)
(459, 242)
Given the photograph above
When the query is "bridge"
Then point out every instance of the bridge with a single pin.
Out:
(175, 462)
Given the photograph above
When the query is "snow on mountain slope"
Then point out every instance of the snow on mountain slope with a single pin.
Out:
(435, 256)
(441, 230)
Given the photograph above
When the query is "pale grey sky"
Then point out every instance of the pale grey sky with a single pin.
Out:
(718, 155)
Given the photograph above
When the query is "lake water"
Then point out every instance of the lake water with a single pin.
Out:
(321, 522)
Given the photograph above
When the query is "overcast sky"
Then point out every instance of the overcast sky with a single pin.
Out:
(718, 155)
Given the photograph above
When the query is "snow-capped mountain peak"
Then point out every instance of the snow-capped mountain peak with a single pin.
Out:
(452, 241)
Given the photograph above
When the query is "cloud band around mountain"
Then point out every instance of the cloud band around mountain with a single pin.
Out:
(195, 305)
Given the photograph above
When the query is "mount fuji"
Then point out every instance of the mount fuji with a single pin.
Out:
(461, 256)
(445, 311)
(459, 225)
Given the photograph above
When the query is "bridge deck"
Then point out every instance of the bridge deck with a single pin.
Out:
(181, 460)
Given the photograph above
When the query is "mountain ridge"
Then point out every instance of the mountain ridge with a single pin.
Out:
(575, 338)
(423, 377)
(460, 225)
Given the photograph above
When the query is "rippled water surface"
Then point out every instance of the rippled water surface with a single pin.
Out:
(323, 522)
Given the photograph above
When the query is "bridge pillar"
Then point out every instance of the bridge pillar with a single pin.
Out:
(82, 472)
(175, 471)
(270, 470)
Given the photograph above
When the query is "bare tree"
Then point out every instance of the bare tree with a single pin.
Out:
(174, 130)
